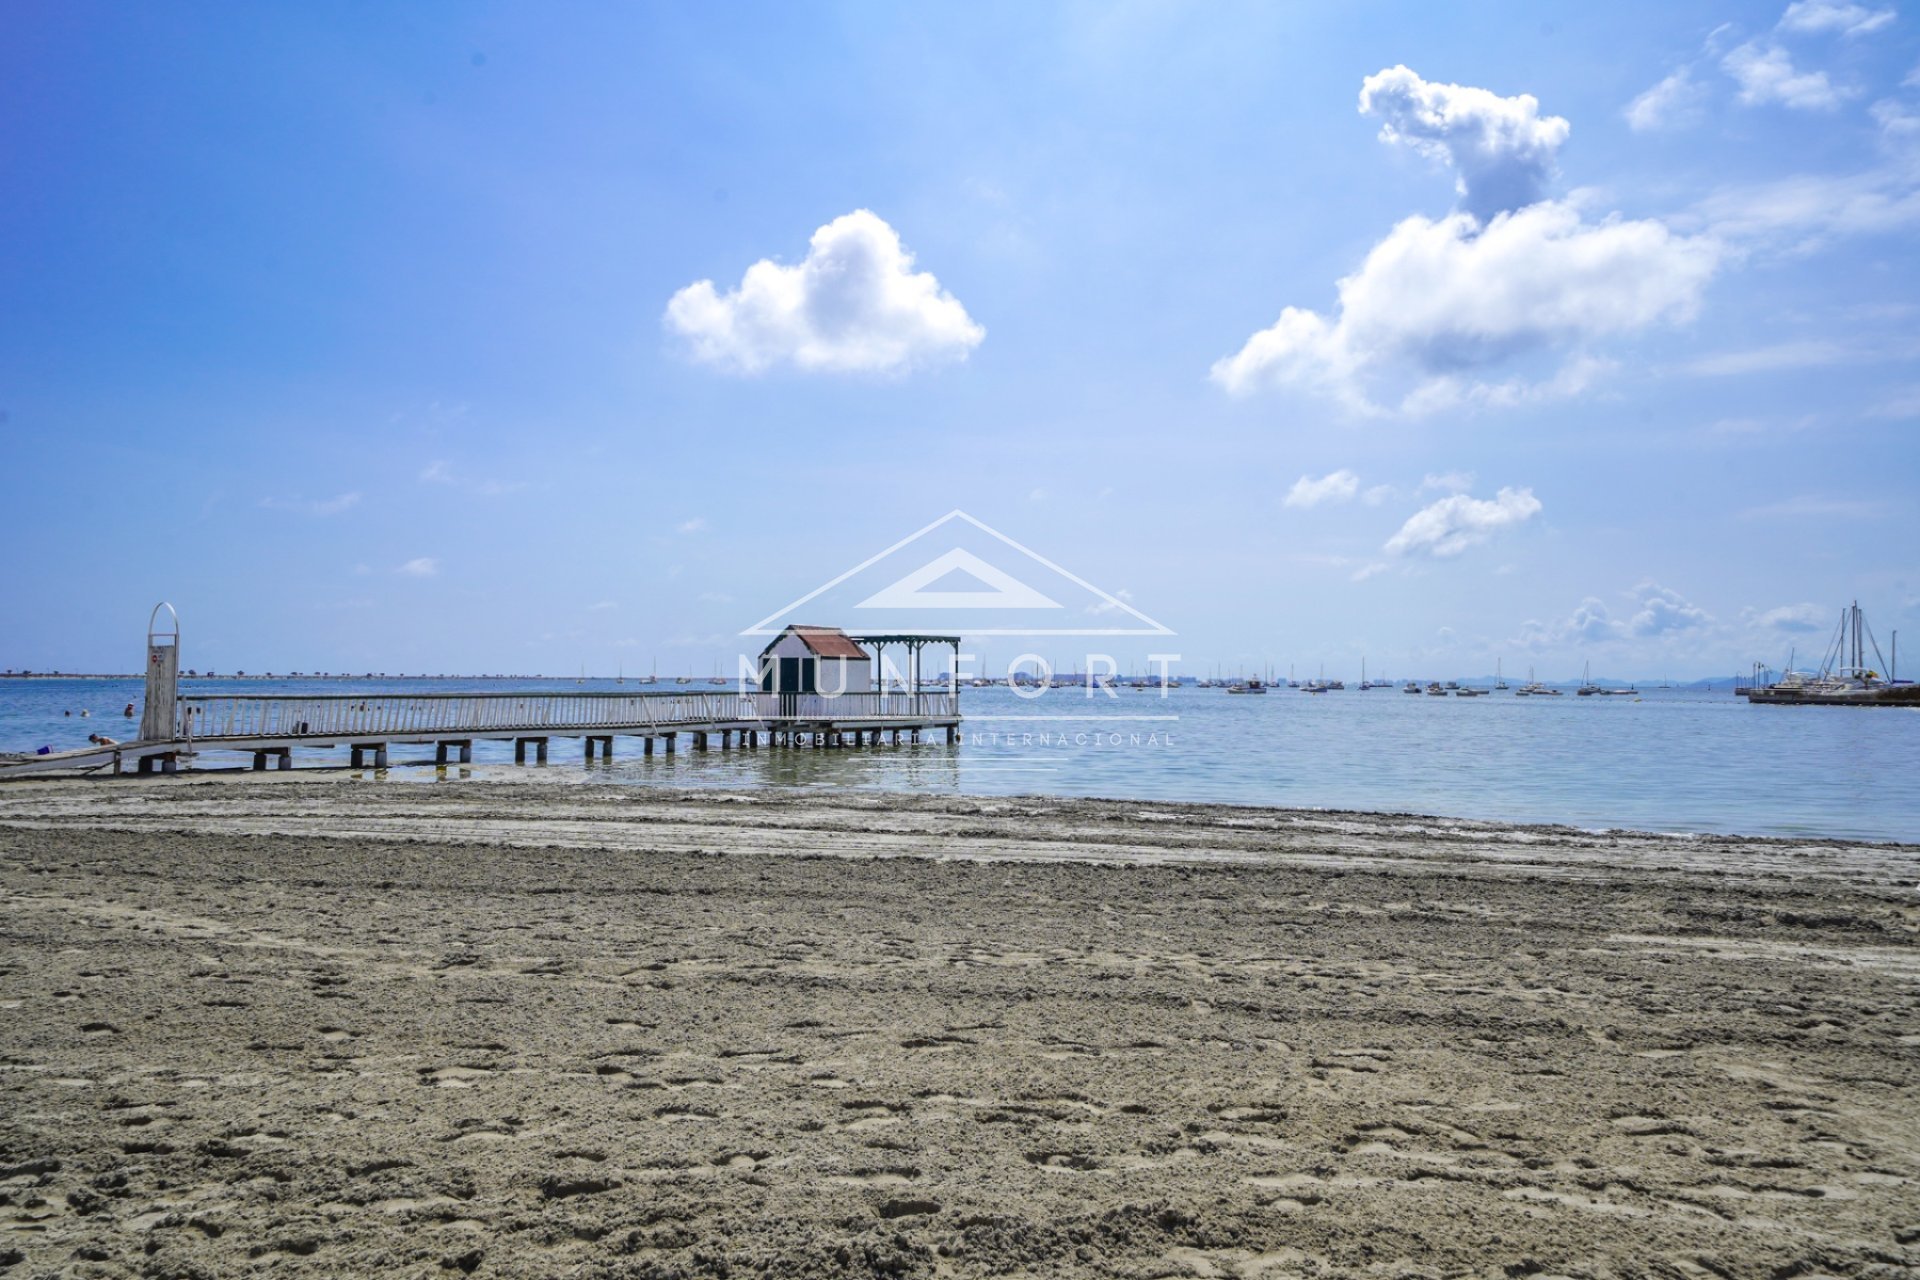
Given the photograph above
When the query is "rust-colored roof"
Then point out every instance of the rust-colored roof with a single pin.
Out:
(828, 642)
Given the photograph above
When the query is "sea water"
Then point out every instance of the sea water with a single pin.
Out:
(1664, 760)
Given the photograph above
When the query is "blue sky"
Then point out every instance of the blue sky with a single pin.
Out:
(381, 340)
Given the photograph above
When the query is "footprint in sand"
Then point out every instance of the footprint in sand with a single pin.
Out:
(454, 1077)
(890, 1176)
(867, 1114)
(1064, 1161)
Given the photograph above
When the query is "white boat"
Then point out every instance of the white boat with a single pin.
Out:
(1587, 687)
(1844, 678)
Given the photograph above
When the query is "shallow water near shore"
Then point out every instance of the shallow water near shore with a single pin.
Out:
(1667, 760)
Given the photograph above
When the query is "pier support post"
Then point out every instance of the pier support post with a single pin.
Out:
(726, 739)
(646, 746)
(259, 762)
(380, 756)
(953, 735)
(466, 753)
(670, 741)
(144, 767)
(286, 758)
(589, 745)
(169, 764)
(916, 735)
(606, 748)
(519, 750)
(358, 756)
(440, 753)
(699, 742)
(539, 750)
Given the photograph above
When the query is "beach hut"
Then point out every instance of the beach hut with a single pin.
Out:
(823, 660)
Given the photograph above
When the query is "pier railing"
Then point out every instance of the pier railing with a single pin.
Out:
(452, 714)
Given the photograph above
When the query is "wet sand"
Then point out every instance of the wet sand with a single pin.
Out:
(328, 1028)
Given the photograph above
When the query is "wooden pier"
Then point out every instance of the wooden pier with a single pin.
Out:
(272, 728)
(789, 709)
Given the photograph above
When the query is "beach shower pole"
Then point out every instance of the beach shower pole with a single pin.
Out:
(163, 678)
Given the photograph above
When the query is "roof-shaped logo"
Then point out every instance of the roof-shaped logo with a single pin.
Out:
(960, 574)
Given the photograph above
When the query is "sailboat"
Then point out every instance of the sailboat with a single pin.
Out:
(1499, 681)
(1533, 688)
(1844, 679)
(1587, 687)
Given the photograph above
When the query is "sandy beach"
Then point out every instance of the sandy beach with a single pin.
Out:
(328, 1028)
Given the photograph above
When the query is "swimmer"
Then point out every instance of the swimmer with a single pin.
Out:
(103, 740)
(128, 713)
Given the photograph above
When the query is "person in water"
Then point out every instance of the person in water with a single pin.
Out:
(128, 713)
(103, 740)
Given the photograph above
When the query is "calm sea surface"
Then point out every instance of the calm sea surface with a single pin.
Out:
(1666, 761)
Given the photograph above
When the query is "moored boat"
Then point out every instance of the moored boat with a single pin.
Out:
(1844, 678)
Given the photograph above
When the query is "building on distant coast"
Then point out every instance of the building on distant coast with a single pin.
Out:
(823, 660)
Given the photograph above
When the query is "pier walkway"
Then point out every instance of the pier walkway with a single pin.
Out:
(272, 727)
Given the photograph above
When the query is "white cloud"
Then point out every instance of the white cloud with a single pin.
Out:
(696, 525)
(1501, 148)
(1451, 525)
(419, 567)
(1842, 16)
(1673, 102)
(1446, 481)
(1808, 354)
(1899, 123)
(1449, 391)
(1899, 406)
(314, 507)
(1378, 494)
(1589, 623)
(1447, 295)
(1766, 74)
(1657, 611)
(1663, 612)
(854, 305)
(1805, 210)
(439, 472)
(1337, 486)
(1368, 570)
(1809, 505)
(1793, 617)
